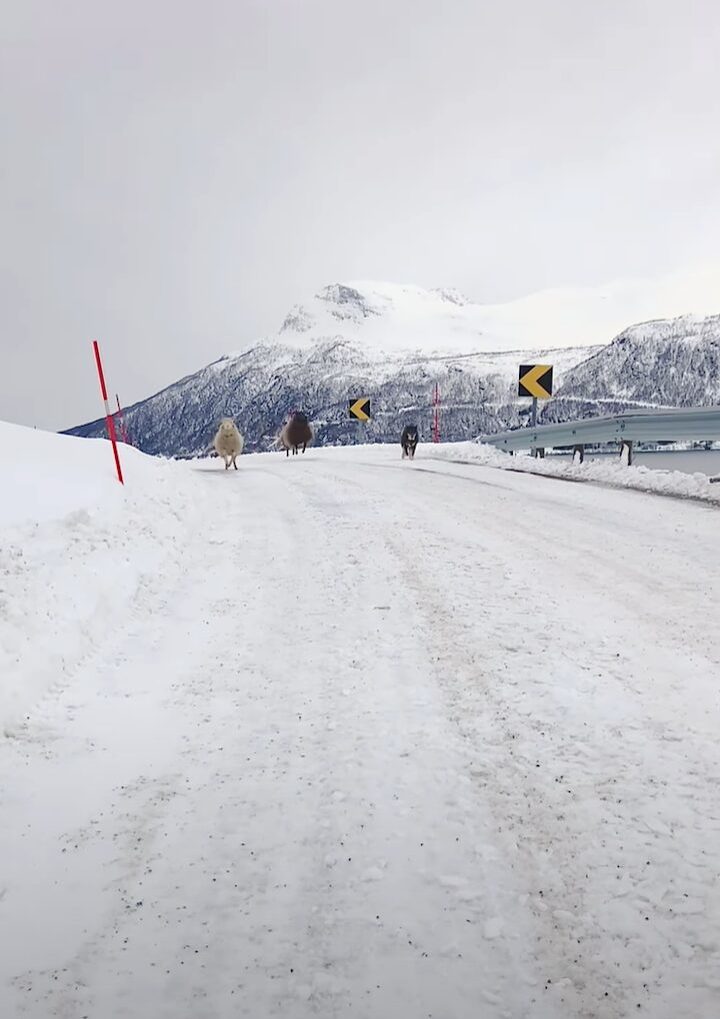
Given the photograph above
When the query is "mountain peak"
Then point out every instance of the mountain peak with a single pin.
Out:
(385, 318)
(345, 302)
(452, 296)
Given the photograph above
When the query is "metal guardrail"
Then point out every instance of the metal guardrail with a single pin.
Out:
(693, 424)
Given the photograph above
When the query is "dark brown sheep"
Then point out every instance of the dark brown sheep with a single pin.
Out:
(296, 432)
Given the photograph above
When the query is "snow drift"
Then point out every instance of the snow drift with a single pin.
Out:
(77, 551)
(611, 474)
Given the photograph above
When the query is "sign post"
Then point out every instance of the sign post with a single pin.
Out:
(108, 416)
(535, 380)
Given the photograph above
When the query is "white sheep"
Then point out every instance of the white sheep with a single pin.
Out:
(228, 442)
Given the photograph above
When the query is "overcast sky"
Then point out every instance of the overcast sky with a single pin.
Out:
(175, 174)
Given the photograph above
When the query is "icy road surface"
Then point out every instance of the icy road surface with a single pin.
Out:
(380, 740)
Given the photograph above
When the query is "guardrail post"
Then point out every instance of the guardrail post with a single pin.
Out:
(578, 453)
(626, 452)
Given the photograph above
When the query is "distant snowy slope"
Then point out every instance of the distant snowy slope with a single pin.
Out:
(77, 551)
(391, 317)
(568, 316)
(672, 363)
(387, 318)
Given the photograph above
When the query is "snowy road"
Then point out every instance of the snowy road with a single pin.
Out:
(387, 740)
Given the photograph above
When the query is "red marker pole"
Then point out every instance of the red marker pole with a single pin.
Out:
(108, 416)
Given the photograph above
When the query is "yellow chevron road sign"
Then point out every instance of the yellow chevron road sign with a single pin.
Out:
(360, 409)
(536, 380)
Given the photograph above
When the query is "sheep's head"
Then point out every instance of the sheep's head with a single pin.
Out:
(227, 426)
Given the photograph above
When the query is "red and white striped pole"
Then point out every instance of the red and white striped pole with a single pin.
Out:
(108, 416)
(436, 414)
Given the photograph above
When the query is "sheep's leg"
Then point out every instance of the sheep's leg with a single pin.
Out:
(226, 458)
(234, 463)
(287, 451)
(304, 445)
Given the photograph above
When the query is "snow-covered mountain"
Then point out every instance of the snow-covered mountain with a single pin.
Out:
(395, 317)
(394, 343)
(673, 363)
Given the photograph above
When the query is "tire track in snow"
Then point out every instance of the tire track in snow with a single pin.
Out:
(228, 760)
(614, 848)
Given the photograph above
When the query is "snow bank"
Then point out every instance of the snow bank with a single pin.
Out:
(77, 551)
(615, 475)
(46, 476)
